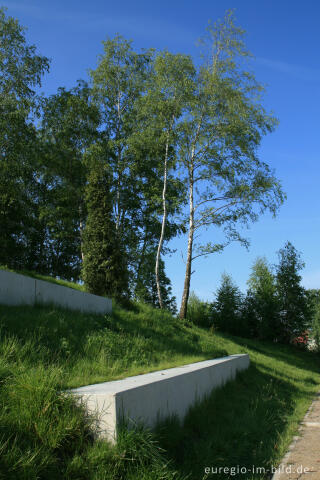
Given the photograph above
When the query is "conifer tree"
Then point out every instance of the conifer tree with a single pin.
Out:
(263, 296)
(227, 307)
(104, 266)
(295, 312)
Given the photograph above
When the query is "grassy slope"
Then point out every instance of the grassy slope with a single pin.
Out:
(42, 435)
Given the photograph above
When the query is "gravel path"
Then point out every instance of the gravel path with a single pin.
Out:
(302, 462)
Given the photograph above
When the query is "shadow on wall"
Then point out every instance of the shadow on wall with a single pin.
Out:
(237, 425)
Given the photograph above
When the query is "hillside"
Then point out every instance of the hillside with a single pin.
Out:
(44, 435)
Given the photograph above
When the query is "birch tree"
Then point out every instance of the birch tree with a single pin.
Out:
(228, 185)
(118, 82)
(168, 94)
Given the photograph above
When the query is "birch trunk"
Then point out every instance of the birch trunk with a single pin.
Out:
(164, 219)
(118, 201)
(81, 232)
(187, 279)
(142, 255)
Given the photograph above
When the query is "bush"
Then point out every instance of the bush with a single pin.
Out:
(199, 312)
(316, 328)
(301, 341)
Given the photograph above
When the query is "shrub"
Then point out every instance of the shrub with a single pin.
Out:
(316, 328)
(302, 340)
(199, 312)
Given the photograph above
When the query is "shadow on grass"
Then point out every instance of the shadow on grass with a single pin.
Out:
(64, 334)
(286, 353)
(237, 425)
(169, 337)
(49, 326)
(241, 424)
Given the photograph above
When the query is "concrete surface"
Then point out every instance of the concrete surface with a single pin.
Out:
(70, 298)
(302, 462)
(16, 289)
(157, 395)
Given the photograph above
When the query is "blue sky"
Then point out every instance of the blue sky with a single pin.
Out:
(284, 37)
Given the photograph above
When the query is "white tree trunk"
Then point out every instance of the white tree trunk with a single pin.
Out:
(164, 219)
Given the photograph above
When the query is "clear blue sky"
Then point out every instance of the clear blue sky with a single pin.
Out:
(284, 37)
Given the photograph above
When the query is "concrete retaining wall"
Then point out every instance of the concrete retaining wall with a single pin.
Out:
(157, 395)
(16, 289)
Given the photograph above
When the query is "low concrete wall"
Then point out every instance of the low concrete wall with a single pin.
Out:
(70, 298)
(16, 289)
(157, 395)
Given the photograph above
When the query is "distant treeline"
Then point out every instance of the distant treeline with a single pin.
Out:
(275, 307)
(96, 180)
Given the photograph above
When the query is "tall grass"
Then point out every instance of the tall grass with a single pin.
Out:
(45, 435)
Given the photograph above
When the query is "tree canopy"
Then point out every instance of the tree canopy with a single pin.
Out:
(96, 180)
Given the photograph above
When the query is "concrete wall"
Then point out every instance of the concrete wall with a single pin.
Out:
(70, 298)
(157, 395)
(16, 289)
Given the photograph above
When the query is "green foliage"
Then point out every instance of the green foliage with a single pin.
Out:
(146, 288)
(316, 327)
(163, 106)
(295, 312)
(104, 266)
(121, 90)
(117, 84)
(68, 127)
(41, 173)
(276, 306)
(227, 307)
(229, 186)
(251, 326)
(313, 296)
(199, 312)
(21, 70)
(146, 116)
(263, 301)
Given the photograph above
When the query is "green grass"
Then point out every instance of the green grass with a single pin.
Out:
(44, 435)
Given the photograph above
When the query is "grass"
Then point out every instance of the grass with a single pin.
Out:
(44, 435)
